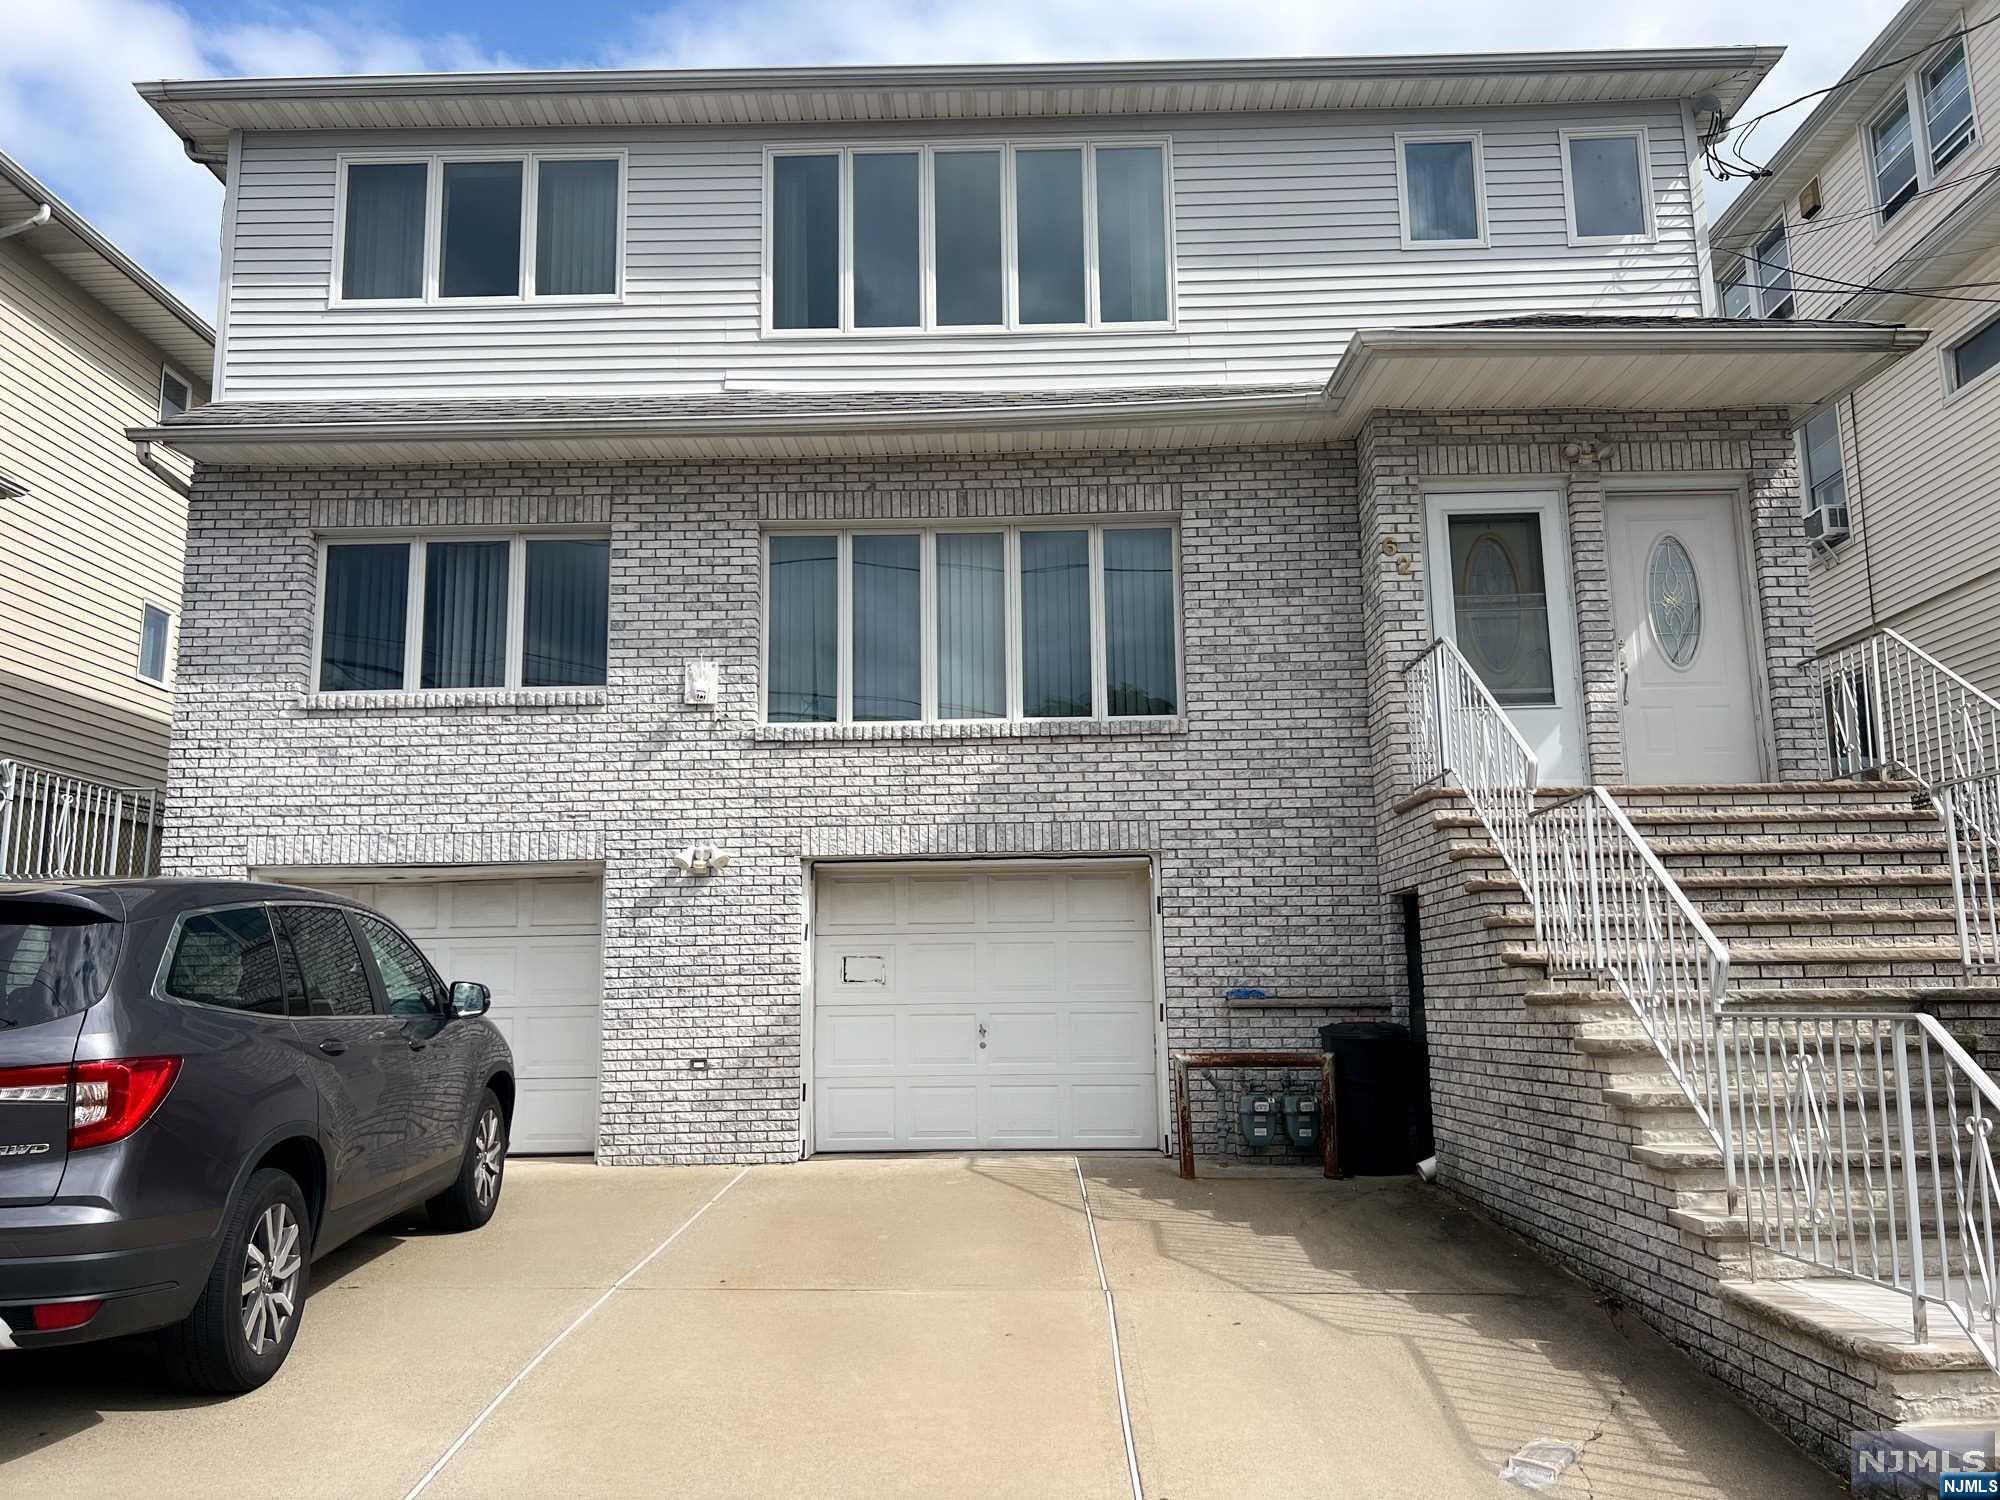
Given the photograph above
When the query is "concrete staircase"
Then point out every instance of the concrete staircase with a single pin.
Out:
(1832, 896)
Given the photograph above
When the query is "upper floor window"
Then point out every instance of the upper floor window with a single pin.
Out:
(175, 394)
(1826, 481)
(440, 614)
(1055, 622)
(968, 237)
(1736, 296)
(1771, 270)
(1929, 126)
(155, 629)
(486, 228)
(1442, 182)
(1973, 355)
(1607, 186)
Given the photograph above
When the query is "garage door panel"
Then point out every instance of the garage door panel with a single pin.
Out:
(568, 904)
(1056, 966)
(410, 905)
(492, 905)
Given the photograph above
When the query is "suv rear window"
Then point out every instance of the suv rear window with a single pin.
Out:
(49, 970)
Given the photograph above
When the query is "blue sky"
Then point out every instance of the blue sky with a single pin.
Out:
(68, 113)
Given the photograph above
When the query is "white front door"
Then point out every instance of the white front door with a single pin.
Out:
(960, 1008)
(1500, 592)
(1683, 637)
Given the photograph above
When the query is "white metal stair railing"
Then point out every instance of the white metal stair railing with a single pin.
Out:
(1866, 1151)
(1603, 903)
(1858, 1144)
(1892, 707)
(55, 826)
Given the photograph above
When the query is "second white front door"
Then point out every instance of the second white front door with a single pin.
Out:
(1686, 692)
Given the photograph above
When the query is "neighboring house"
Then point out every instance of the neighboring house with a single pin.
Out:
(871, 605)
(91, 529)
(1890, 187)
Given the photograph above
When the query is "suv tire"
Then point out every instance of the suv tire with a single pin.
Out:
(247, 1317)
(470, 1201)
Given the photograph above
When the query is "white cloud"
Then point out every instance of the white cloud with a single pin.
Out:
(68, 112)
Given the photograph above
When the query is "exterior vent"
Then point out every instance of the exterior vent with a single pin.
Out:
(1826, 527)
(1809, 199)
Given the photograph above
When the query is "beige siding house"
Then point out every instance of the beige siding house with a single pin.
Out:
(92, 527)
(1885, 206)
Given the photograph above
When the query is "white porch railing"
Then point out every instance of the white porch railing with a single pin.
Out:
(1892, 707)
(59, 827)
(1866, 1147)
(1859, 1144)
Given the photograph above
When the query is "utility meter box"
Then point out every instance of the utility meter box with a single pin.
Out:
(1302, 1122)
(1260, 1117)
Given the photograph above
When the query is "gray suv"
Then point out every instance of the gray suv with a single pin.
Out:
(207, 1084)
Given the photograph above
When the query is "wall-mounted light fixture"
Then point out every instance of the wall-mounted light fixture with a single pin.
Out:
(702, 859)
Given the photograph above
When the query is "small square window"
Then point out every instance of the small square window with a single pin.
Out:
(1973, 356)
(175, 396)
(155, 626)
(1441, 192)
(1609, 195)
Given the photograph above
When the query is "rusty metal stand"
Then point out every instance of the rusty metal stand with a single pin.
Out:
(1185, 1062)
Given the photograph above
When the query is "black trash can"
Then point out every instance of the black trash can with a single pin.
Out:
(1374, 1091)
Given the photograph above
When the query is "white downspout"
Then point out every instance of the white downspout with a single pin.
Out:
(34, 220)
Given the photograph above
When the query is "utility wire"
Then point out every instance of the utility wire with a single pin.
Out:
(1940, 293)
(1815, 226)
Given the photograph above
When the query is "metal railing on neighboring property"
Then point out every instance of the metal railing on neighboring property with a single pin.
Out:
(1856, 1143)
(1892, 708)
(59, 827)
(1866, 1146)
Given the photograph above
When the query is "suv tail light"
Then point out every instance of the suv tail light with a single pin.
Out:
(108, 1100)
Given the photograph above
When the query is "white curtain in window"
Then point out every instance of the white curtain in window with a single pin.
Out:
(1131, 235)
(384, 251)
(803, 630)
(567, 611)
(465, 614)
(576, 228)
(805, 242)
(362, 620)
(1140, 676)
(972, 624)
(1443, 190)
(888, 627)
(1055, 625)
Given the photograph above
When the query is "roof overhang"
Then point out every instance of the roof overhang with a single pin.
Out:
(69, 244)
(1845, 108)
(204, 111)
(1708, 367)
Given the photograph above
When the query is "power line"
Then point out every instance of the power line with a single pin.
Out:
(1940, 293)
(1815, 226)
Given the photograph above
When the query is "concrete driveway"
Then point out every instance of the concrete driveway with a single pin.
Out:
(920, 1326)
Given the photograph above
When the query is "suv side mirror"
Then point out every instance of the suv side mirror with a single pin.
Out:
(470, 998)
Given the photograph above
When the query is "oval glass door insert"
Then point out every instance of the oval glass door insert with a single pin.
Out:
(1674, 601)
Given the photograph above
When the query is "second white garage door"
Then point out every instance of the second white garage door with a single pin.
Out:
(537, 945)
(1009, 1007)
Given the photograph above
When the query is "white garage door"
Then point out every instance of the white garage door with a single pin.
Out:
(537, 945)
(979, 1008)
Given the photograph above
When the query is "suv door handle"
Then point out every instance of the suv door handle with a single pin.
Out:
(416, 1046)
(332, 1046)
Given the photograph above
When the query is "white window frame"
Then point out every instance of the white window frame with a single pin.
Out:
(927, 670)
(168, 372)
(1808, 501)
(927, 153)
(1636, 133)
(413, 608)
(434, 163)
(1756, 268)
(1477, 140)
(1740, 278)
(1912, 100)
(1948, 360)
(165, 679)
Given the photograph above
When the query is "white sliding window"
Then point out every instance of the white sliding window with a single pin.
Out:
(1041, 235)
(454, 614)
(1034, 622)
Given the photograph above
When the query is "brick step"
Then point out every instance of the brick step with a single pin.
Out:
(1626, 1038)
(1747, 959)
(1851, 855)
(1846, 922)
(1704, 1157)
(1701, 884)
(1716, 1223)
(1648, 1093)
(1585, 1000)
(1863, 1321)
(1801, 794)
(1860, 818)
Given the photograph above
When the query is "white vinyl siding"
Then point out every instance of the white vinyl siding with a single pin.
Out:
(1286, 235)
(94, 537)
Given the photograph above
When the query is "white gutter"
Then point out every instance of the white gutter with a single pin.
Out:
(34, 220)
(149, 457)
